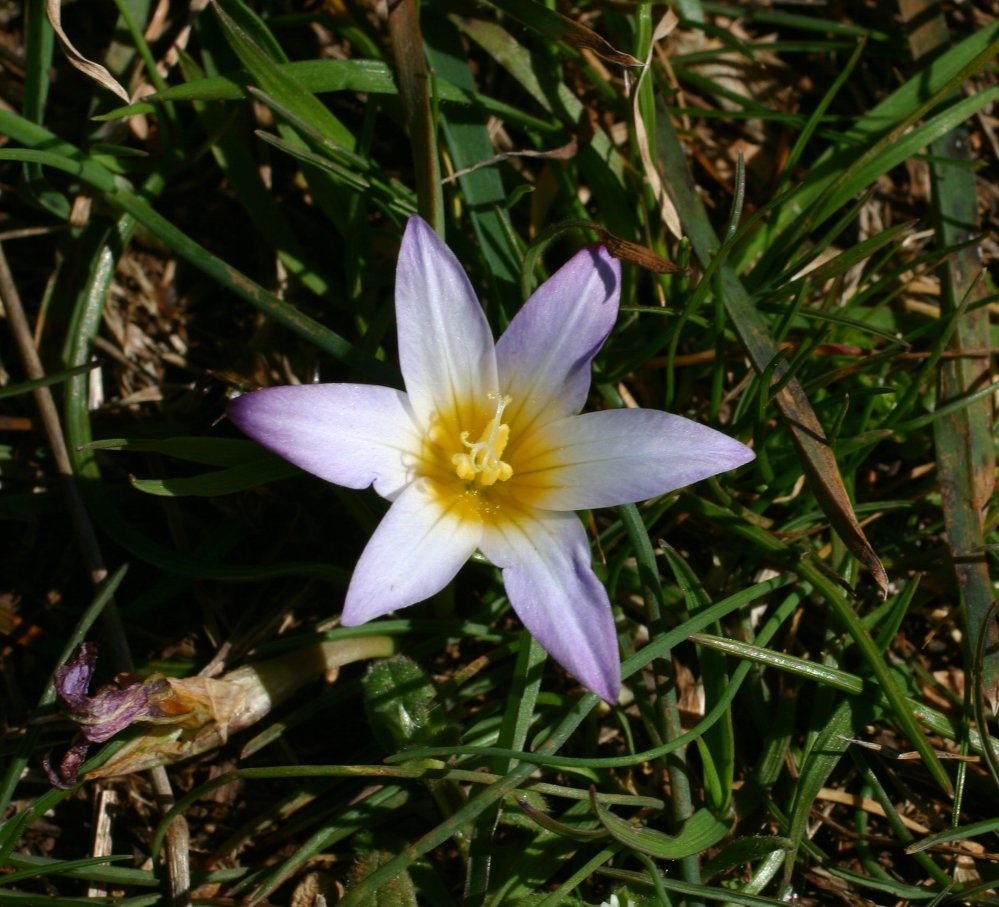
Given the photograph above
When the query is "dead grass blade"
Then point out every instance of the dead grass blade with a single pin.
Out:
(411, 68)
(667, 209)
(95, 71)
(965, 451)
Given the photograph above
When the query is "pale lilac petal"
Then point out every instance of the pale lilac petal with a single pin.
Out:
(618, 457)
(544, 356)
(415, 552)
(546, 570)
(349, 434)
(446, 348)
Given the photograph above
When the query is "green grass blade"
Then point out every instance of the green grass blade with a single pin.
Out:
(25, 387)
(236, 24)
(222, 481)
(468, 142)
(816, 457)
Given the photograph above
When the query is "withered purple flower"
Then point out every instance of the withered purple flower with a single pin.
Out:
(111, 709)
(99, 716)
(186, 715)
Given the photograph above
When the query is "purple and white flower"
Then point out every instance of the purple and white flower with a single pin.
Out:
(486, 450)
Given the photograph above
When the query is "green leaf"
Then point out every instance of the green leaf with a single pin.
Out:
(25, 387)
(551, 24)
(701, 831)
(953, 835)
(402, 705)
(275, 80)
(93, 173)
(224, 481)
(815, 455)
(397, 892)
(893, 150)
(468, 143)
(745, 850)
(208, 451)
(77, 868)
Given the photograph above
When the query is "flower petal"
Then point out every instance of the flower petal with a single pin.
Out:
(349, 434)
(546, 570)
(544, 355)
(64, 773)
(415, 552)
(618, 457)
(72, 679)
(446, 348)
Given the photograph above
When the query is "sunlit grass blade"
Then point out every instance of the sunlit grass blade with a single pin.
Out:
(222, 481)
(25, 387)
(816, 457)
(598, 160)
(271, 78)
(701, 831)
(468, 142)
(870, 146)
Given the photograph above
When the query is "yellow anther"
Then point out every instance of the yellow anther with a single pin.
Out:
(482, 461)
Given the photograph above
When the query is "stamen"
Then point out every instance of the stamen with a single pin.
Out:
(482, 461)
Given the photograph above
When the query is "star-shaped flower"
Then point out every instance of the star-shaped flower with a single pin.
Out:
(486, 450)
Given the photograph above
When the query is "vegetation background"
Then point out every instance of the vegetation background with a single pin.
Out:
(804, 195)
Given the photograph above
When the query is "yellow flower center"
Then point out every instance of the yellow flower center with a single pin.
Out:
(481, 462)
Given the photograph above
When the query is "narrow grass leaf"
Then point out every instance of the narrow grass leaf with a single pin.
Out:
(385, 799)
(99, 177)
(326, 76)
(235, 159)
(745, 850)
(869, 140)
(243, 286)
(702, 892)
(77, 869)
(816, 456)
(599, 160)
(25, 387)
(701, 831)
(895, 149)
(952, 835)
(51, 900)
(810, 670)
(468, 143)
(223, 481)
(843, 261)
(560, 828)
(718, 743)
(822, 758)
(276, 81)
(207, 451)
(551, 24)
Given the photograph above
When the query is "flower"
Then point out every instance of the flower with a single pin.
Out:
(486, 450)
(99, 716)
